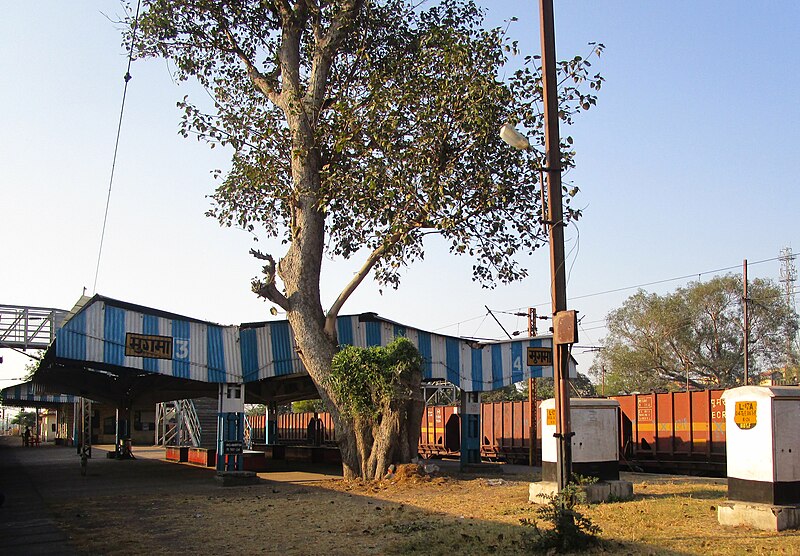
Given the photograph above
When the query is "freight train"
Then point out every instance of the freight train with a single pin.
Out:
(676, 432)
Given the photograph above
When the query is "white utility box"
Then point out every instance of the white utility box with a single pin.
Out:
(762, 428)
(595, 445)
(595, 450)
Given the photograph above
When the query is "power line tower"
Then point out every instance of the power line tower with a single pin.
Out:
(788, 274)
(788, 279)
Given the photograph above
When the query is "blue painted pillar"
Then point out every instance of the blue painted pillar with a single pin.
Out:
(470, 428)
(230, 446)
(230, 427)
(272, 423)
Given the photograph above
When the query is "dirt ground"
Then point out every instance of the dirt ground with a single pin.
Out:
(148, 506)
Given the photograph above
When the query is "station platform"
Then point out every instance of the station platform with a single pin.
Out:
(26, 527)
(33, 478)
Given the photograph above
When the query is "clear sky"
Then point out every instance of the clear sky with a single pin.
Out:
(687, 165)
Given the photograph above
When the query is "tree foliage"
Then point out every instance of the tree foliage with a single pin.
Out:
(653, 341)
(580, 387)
(24, 419)
(308, 406)
(403, 129)
(358, 128)
(510, 393)
(378, 388)
(368, 379)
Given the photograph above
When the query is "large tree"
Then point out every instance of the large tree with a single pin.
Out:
(655, 341)
(358, 128)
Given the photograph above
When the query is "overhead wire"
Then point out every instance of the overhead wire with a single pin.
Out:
(127, 77)
(615, 290)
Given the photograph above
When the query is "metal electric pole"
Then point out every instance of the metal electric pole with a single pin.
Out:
(565, 323)
(555, 218)
(746, 327)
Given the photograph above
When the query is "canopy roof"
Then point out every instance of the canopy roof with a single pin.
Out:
(109, 349)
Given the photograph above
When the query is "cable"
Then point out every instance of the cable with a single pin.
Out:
(637, 286)
(127, 79)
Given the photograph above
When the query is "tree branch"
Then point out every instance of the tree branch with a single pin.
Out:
(325, 51)
(266, 288)
(261, 81)
(374, 257)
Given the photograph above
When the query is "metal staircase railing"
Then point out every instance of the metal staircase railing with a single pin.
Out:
(248, 433)
(165, 435)
(186, 431)
(29, 327)
(190, 423)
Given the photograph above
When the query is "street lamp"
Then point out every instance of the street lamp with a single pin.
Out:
(564, 329)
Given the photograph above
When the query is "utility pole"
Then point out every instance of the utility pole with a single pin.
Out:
(532, 413)
(555, 218)
(603, 374)
(746, 328)
(565, 325)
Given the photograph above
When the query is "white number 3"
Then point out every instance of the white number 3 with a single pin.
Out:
(181, 349)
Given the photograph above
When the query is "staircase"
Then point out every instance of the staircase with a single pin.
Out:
(195, 423)
(206, 410)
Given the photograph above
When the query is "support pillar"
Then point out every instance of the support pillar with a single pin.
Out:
(470, 428)
(85, 436)
(122, 449)
(230, 427)
(76, 427)
(271, 432)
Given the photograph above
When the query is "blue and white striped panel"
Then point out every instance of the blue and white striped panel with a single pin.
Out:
(215, 355)
(269, 351)
(25, 393)
(438, 368)
(198, 352)
(95, 331)
(71, 339)
(345, 330)
(495, 365)
(231, 355)
(202, 352)
(264, 352)
(163, 366)
(373, 334)
(134, 322)
(284, 355)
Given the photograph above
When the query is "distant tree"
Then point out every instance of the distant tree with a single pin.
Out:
(308, 406)
(358, 130)
(33, 365)
(580, 387)
(510, 393)
(653, 341)
(256, 409)
(24, 419)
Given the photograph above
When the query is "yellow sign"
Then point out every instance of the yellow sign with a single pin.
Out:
(540, 357)
(551, 417)
(145, 345)
(745, 415)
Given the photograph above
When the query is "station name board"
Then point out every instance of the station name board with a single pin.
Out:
(145, 345)
(540, 357)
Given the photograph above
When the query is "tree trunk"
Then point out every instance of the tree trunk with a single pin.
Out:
(367, 447)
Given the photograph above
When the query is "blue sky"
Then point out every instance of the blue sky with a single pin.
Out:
(688, 164)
